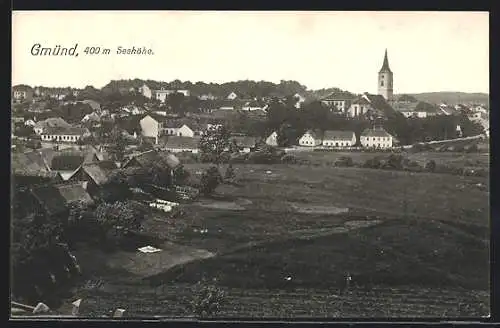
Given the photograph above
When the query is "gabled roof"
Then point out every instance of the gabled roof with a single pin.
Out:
(93, 104)
(98, 171)
(170, 159)
(74, 193)
(338, 135)
(22, 87)
(175, 142)
(56, 198)
(50, 199)
(338, 95)
(375, 133)
(52, 122)
(149, 158)
(29, 164)
(360, 101)
(316, 134)
(379, 103)
(73, 130)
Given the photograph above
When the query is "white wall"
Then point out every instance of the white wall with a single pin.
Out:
(149, 127)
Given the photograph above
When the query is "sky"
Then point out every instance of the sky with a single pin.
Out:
(428, 51)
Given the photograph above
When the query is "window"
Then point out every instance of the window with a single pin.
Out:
(382, 83)
(336, 144)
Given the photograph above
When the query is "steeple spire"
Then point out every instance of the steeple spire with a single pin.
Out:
(385, 65)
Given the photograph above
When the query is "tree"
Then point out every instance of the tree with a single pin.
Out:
(210, 179)
(229, 176)
(181, 175)
(213, 144)
(119, 218)
(176, 102)
(430, 166)
(207, 298)
(117, 145)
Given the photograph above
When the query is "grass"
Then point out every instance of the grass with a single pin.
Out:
(423, 253)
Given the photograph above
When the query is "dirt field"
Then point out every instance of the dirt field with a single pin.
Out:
(416, 244)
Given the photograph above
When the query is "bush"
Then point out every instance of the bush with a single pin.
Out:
(210, 179)
(181, 175)
(207, 298)
(394, 162)
(373, 163)
(430, 166)
(344, 161)
(288, 159)
(473, 148)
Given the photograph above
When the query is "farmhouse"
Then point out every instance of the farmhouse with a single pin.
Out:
(177, 144)
(376, 138)
(311, 138)
(95, 174)
(177, 128)
(59, 134)
(54, 199)
(272, 139)
(339, 138)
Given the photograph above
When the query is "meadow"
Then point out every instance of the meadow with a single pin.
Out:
(280, 241)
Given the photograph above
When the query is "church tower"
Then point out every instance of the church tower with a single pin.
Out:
(385, 80)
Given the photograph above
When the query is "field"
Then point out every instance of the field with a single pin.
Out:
(281, 241)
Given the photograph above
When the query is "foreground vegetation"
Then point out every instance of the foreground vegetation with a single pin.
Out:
(424, 253)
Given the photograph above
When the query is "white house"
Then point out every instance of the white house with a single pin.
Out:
(338, 101)
(232, 96)
(71, 134)
(177, 129)
(161, 95)
(30, 122)
(311, 139)
(272, 140)
(376, 138)
(357, 108)
(146, 91)
(339, 138)
(480, 109)
(150, 127)
(300, 100)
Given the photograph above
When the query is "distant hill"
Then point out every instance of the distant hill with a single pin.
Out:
(451, 98)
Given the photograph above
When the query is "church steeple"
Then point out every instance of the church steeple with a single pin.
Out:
(385, 65)
(385, 80)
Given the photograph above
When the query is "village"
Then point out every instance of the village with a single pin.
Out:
(144, 168)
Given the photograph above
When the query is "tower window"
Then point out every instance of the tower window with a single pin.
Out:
(381, 83)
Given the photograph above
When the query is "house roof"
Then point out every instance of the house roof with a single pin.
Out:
(29, 164)
(98, 171)
(338, 135)
(73, 130)
(22, 87)
(50, 198)
(148, 158)
(316, 134)
(245, 141)
(175, 142)
(52, 122)
(339, 95)
(379, 103)
(361, 101)
(74, 193)
(375, 133)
